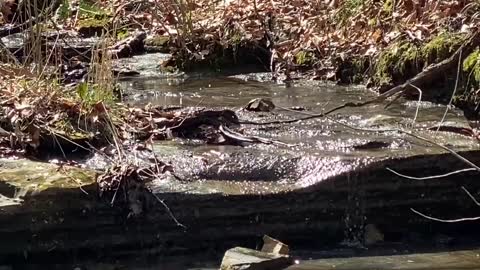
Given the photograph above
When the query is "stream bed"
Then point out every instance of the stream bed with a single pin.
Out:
(324, 186)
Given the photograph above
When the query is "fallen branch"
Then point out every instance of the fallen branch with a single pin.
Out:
(438, 70)
(232, 135)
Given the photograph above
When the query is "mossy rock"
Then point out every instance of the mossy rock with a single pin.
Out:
(441, 47)
(404, 59)
(168, 69)
(218, 57)
(468, 96)
(92, 26)
(471, 65)
(34, 176)
(398, 62)
(157, 43)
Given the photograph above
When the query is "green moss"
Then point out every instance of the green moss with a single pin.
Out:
(441, 47)
(388, 6)
(397, 62)
(65, 128)
(92, 19)
(304, 58)
(64, 11)
(93, 23)
(405, 59)
(468, 95)
(471, 65)
(235, 39)
(122, 34)
(373, 22)
(92, 94)
(39, 176)
(348, 9)
(92, 26)
(89, 9)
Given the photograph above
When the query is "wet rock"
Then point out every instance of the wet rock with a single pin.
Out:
(274, 246)
(69, 45)
(22, 177)
(260, 105)
(157, 44)
(129, 46)
(247, 259)
(144, 64)
(6, 201)
(92, 26)
(125, 72)
(371, 145)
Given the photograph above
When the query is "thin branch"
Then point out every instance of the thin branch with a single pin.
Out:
(471, 196)
(419, 100)
(168, 211)
(454, 91)
(377, 99)
(445, 220)
(433, 176)
(75, 180)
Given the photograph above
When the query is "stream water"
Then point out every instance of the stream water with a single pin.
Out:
(319, 179)
(317, 149)
(314, 150)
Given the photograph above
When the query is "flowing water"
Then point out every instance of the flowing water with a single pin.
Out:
(320, 172)
(314, 150)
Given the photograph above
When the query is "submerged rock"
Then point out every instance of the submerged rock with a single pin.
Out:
(260, 105)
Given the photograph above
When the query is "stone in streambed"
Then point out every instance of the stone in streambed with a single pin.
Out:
(240, 258)
(274, 255)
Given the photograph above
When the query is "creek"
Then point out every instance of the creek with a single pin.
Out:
(319, 190)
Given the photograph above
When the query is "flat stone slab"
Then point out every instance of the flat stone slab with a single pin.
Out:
(458, 260)
(247, 259)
